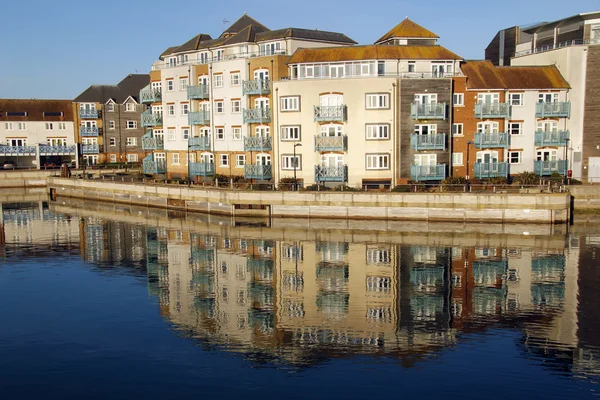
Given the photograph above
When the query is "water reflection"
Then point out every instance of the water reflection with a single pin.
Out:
(279, 295)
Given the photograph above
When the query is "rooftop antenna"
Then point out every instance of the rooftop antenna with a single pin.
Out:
(225, 22)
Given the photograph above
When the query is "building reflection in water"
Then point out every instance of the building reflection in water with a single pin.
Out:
(281, 298)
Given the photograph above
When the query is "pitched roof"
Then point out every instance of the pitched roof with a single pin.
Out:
(484, 75)
(299, 33)
(243, 22)
(192, 44)
(168, 51)
(129, 86)
(246, 35)
(36, 108)
(408, 29)
(372, 52)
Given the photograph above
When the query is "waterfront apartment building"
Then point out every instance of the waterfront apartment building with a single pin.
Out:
(36, 133)
(210, 101)
(573, 45)
(108, 121)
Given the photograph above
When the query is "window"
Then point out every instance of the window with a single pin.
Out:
(457, 129)
(129, 107)
(236, 106)
(56, 141)
(219, 81)
(111, 107)
(111, 125)
(235, 79)
(290, 132)
(171, 134)
(131, 124)
(175, 159)
(132, 158)
(8, 126)
(170, 85)
(411, 66)
(378, 161)
(488, 98)
(426, 98)
(170, 110)
(17, 113)
(458, 99)
(487, 127)
(547, 126)
(515, 99)
(185, 132)
(131, 141)
(220, 132)
(288, 162)
(430, 129)
(514, 128)
(112, 141)
(514, 157)
(262, 130)
(219, 55)
(62, 126)
(457, 158)
(183, 83)
(219, 107)
(547, 97)
(113, 158)
(53, 113)
(240, 160)
(425, 159)
(378, 131)
(191, 158)
(22, 126)
(236, 132)
(291, 103)
(49, 126)
(267, 49)
(224, 160)
(375, 101)
(185, 108)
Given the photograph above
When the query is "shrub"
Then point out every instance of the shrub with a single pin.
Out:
(500, 180)
(454, 184)
(526, 178)
(346, 188)
(556, 177)
(315, 187)
(401, 189)
(287, 184)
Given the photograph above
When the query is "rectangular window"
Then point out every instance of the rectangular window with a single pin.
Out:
(378, 161)
(289, 162)
(220, 133)
(235, 79)
(547, 97)
(185, 132)
(236, 132)
(428, 129)
(457, 129)
(183, 83)
(62, 126)
(170, 110)
(171, 134)
(170, 85)
(290, 132)
(458, 99)
(175, 159)
(16, 113)
(131, 141)
(290, 103)
(129, 107)
(378, 131)
(113, 158)
(218, 81)
(514, 157)
(131, 124)
(515, 99)
(111, 125)
(191, 158)
(378, 101)
(49, 126)
(240, 160)
(132, 158)
(112, 141)
(219, 107)
(514, 128)
(224, 160)
(236, 106)
(111, 108)
(53, 113)
(185, 108)
(8, 126)
(457, 158)
(22, 126)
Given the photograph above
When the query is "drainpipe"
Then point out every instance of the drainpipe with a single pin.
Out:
(394, 151)
(275, 162)
(211, 108)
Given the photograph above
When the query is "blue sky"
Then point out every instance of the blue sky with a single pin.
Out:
(56, 49)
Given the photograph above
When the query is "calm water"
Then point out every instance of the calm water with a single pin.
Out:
(112, 302)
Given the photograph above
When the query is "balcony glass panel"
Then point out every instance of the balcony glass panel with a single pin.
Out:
(202, 169)
(428, 111)
(428, 172)
(90, 149)
(491, 140)
(552, 138)
(150, 95)
(256, 86)
(18, 150)
(546, 168)
(150, 143)
(48, 150)
(151, 119)
(428, 142)
(492, 110)
(88, 131)
(152, 167)
(491, 170)
(199, 143)
(199, 117)
(88, 113)
(553, 109)
(199, 92)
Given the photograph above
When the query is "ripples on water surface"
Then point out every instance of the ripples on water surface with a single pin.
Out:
(112, 302)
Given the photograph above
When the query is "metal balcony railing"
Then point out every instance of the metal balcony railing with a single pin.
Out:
(491, 140)
(256, 86)
(257, 115)
(258, 143)
(90, 149)
(255, 171)
(17, 150)
(200, 143)
(324, 173)
(492, 110)
(88, 113)
(544, 168)
(428, 172)
(150, 95)
(152, 167)
(202, 169)
(428, 111)
(49, 150)
(556, 109)
(151, 143)
(331, 143)
(428, 142)
(151, 119)
(551, 138)
(88, 131)
(199, 117)
(490, 170)
(331, 113)
(199, 92)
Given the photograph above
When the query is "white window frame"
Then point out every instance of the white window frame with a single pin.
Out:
(235, 79)
(171, 110)
(458, 99)
(131, 141)
(236, 106)
(49, 126)
(542, 97)
(377, 131)
(287, 162)
(290, 133)
(380, 161)
(425, 129)
(129, 107)
(456, 127)
(224, 160)
(171, 134)
(220, 133)
(509, 154)
(290, 103)
(425, 159)
(219, 107)
(183, 84)
(62, 126)
(9, 126)
(112, 141)
(487, 127)
(112, 125)
(512, 97)
(236, 133)
(175, 159)
(185, 108)
(170, 85)
(131, 124)
(514, 124)
(218, 80)
(110, 107)
(240, 160)
(377, 101)
(457, 159)
(113, 158)
(132, 158)
(23, 126)
(185, 133)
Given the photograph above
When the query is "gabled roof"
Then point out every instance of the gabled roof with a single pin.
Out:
(484, 75)
(193, 43)
(246, 35)
(168, 51)
(408, 29)
(372, 52)
(299, 33)
(243, 22)
(129, 86)
(35, 109)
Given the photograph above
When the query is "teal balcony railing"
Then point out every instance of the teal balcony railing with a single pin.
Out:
(199, 92)
(256, 86)
(331, 143)
(258, 143)
(199, 117)
(88, 113)
(202, 169)
(545, 168)
(331, 113)
(151, 119)
(199, 143)
(490, 170)
(151, 166)
(88, 131)
(428, 111)
(49, 150)
(552, 138)
(428, 172)
(324, 173)
(257, 115)
(555, 109)
(90, 149)
(261, 172)
(150, 95)
(492, 110)
(18, 150)
(151, 143)
(428, 142)
(491, 140)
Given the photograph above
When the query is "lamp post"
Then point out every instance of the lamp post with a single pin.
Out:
(567, 160)
(295, 166)
(469, 143)
(188, 163)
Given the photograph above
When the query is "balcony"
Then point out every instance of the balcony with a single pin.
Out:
(428, 111)
(491, 140)
(261, 172)
(199, 117)
(199, 92)
(428, 142)
(428, 172)
(199, 143)
(257, 115)
(153, 167)
(17, 150)
(202, 169)
(258, 143)
(492, 110)
(48, 150)
(552, 138)
(331, 113)
(151, 143)
(331, 143)
(150, 95)
(151, 119)
(88, 113)
(88, 131)
(491, 170)
(556, 109)
(90, 149)
(257, 86)
(324, 173)
(546, 168)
